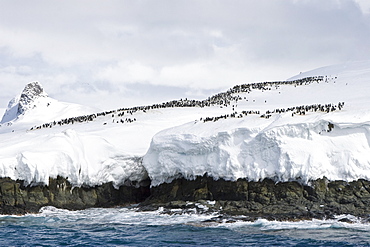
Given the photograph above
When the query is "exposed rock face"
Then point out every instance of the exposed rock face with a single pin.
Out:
(267, 199)
(20, 104)
(17, 199)
(32, 91)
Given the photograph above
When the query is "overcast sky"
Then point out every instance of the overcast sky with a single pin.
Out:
(110, 54)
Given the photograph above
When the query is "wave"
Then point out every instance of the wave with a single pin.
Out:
(127, 226)
(131, 215)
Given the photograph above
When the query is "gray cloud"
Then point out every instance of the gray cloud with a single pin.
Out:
(82, 49)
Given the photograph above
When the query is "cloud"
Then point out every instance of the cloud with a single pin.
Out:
(364, 5)
(126, 72)
(78, 49)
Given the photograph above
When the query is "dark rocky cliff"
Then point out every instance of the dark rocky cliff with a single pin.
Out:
(267, 199)
(18, 199)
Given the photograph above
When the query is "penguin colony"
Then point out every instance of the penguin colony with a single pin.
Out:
(296, 110)
(224, 99)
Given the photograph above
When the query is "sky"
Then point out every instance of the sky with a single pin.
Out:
(117, 53)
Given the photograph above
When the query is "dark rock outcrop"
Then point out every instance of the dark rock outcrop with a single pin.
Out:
(18, 199)
(266, 199)
(32, 91)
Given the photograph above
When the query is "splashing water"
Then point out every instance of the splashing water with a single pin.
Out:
(129, 227)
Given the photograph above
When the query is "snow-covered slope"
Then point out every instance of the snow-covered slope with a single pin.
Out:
(34, 106)
(2, 111)
(284, 146)
(298, 129)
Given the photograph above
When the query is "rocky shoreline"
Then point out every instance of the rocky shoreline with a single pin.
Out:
(251, 200)
(18, 199)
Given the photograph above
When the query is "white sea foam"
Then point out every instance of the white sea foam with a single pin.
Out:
(122, 226)
(123, 216)
(130, 216)
(314, 224)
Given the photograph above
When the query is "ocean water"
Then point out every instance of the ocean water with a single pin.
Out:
(128, 227)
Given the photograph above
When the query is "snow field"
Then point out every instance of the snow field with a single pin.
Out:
(170, 142)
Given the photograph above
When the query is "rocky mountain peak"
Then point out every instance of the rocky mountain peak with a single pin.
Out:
(20, 104)
(32, 91)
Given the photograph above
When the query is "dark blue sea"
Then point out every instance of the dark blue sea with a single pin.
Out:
(128, 227)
